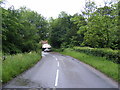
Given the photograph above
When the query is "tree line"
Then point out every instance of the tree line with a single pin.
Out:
(96, 27)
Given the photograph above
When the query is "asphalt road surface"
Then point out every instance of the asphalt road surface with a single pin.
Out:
(58, 71)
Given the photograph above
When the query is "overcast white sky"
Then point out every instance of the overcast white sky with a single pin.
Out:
(51, 8)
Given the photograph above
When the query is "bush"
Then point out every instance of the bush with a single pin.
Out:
(108, 53)
(57, 49)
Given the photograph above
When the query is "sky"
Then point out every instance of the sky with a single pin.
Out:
(52, 8)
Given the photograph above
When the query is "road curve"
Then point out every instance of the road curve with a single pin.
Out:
(58, 71)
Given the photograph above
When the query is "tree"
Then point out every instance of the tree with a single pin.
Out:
(79, 22)
(21, 30)
(10, 25)
(63, 31)
(101, 28)
(90, 7)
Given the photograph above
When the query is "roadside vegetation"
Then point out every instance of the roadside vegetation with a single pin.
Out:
(0, 69)
(109, 54)
(93, 36)
(100, 63)
(96, 28)
(22, 30)
(14, 65)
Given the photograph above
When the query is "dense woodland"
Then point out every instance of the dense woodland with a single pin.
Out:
(96, 27)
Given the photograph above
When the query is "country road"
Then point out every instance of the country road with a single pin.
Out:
(58, 71)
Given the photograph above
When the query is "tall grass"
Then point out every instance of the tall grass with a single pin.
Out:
(0, 69)
(16, 64)
(107, 67)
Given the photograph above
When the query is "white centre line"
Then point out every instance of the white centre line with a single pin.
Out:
(58, 64)
(55, 58)
(56, 80)
(57, 73)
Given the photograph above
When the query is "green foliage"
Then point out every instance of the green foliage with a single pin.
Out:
(90, 7)
(0, 68)
(101, 29)
(100, 34)
(108, 53)
(95, 27)
(100, 63)
(57, 49)
(63, 30)
(16, 64)
(22, 30)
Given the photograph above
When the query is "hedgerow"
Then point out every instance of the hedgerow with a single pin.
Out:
(109, 54)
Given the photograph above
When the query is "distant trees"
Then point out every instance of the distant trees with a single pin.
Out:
(22, 29)
(95, 27)
(63, 30)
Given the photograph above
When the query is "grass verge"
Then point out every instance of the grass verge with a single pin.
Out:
(100, 63)
(0, 69)
(16, 64)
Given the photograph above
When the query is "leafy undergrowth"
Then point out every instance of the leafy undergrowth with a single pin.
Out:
(16, 64)
(100, 63)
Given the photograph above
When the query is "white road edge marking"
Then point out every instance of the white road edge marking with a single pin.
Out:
(56, 80)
